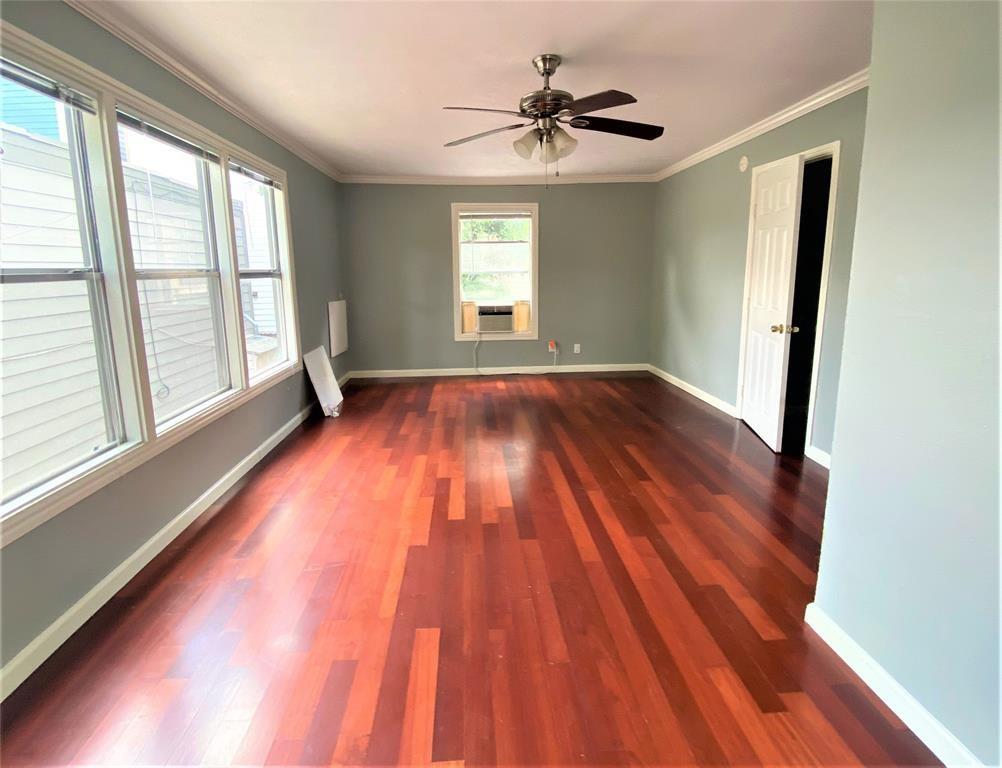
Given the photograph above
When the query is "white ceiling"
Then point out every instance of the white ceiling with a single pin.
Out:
(361, 84)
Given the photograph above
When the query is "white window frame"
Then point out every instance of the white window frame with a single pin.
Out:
(93, 208)
(457, 312)
(218, 271)
(285, 272)
(142, 441)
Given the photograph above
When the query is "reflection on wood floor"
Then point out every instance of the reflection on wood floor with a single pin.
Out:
(567, 570)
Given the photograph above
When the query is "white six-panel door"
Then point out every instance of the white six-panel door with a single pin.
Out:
(772, 266)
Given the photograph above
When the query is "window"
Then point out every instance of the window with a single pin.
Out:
(169, 199)
(494, 271)
(259, 237)
(139, 300)
(60, 404)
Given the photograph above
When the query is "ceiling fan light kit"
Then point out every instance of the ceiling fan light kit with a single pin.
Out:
(552, 146)
(547, 110)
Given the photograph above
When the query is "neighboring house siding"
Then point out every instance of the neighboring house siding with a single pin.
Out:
(53, 412)
(52, 407)
(40, 221)
(185, 351)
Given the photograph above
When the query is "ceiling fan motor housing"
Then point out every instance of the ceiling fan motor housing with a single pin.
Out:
(545, 103)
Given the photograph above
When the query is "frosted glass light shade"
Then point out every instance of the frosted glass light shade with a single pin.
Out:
(559, 144)
(564, 142)
(525, 146)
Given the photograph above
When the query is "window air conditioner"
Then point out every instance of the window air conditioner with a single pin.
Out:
(495, 318)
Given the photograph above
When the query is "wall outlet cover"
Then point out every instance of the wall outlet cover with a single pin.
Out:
(577, 349)
(551, 345)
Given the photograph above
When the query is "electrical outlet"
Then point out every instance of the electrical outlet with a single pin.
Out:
(577, 349)
(551, 345)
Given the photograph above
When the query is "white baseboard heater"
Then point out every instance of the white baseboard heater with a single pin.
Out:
(495, 318)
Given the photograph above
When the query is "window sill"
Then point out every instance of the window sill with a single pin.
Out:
(45, 502)
(523, 336)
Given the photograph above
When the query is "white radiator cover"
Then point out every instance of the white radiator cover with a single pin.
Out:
(337, 319)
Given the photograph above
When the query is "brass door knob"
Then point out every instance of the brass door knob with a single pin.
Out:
(778, 328)
(792, 329)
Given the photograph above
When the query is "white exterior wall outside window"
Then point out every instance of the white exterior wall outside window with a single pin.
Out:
(127, 277)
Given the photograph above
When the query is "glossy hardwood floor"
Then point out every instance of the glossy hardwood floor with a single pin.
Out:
(500, 571)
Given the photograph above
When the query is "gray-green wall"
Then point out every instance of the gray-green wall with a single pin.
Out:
(595, 246)
(910, 552)
(639, 273)
(701, 249)
(47, 570)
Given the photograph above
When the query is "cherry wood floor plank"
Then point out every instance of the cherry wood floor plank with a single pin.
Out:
(583, 570)
(419, 718)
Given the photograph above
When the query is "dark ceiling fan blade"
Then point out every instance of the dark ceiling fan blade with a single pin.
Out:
(487, 133)
(619, 127)
(484, 109)
(598, 101)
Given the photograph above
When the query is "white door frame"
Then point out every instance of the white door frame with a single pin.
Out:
(825, 150)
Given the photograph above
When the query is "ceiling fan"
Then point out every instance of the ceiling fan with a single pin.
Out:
(547, 109)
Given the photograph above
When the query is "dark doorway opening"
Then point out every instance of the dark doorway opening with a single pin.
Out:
(806, 295)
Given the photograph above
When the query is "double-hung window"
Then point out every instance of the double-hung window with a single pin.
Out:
(259, 228)
(58, 386)
(146, 281)
(171, 191)
(495, 265)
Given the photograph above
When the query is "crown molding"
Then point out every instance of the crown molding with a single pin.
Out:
(827, 95)
(499, 181)
(96, 13)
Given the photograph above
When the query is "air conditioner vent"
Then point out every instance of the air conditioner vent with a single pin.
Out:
(495, 318)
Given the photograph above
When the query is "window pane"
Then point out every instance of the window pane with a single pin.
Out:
(496, 287)
(496, 271)
(166, 196)
(261, 298)
(53, 397)
(503, 228)
(184, 349)
(254, 222)
(41, 215)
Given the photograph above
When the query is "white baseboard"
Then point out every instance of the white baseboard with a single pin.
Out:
(16, 671)
(936, 736)
(402, 373)
(821, 457)
(685, 386)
